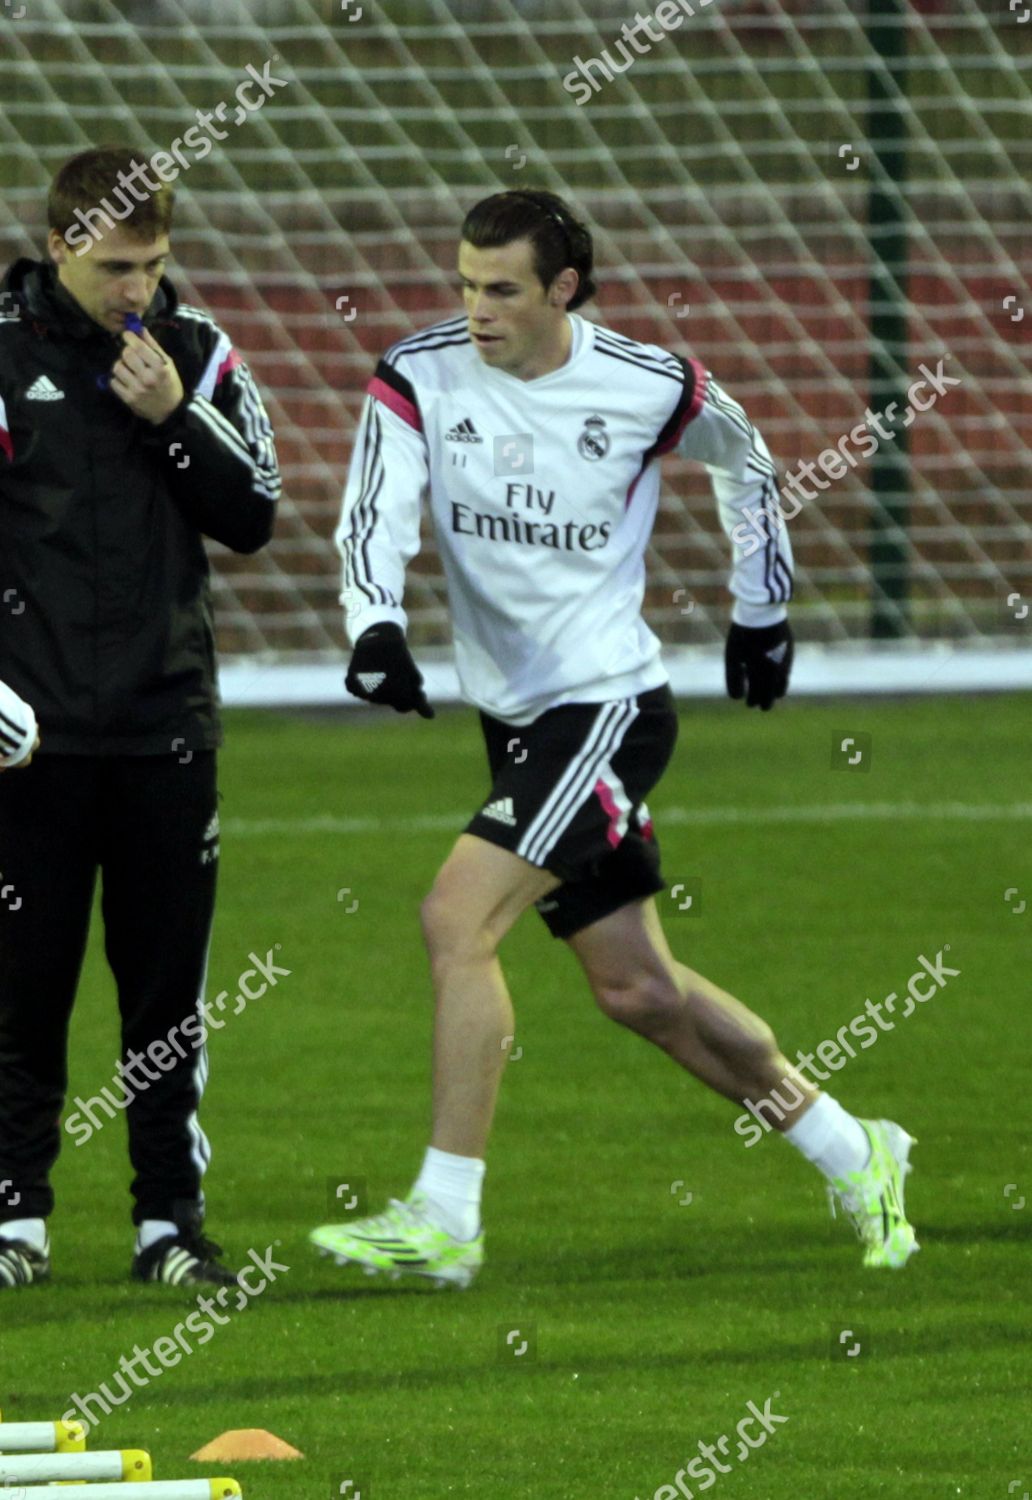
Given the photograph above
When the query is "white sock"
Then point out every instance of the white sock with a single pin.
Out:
(830, 1137)
(32, 1231)
(452, 1185)
(154, 1229)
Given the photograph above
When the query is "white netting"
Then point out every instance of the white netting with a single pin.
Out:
(727, 171)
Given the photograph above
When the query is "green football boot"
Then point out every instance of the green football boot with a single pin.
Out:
(873, 1197)
(403, 1242)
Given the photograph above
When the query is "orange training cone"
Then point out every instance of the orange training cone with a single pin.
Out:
(244, 1443)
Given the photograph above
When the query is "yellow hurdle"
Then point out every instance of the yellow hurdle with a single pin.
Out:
(39, 1468)
(42, 1437)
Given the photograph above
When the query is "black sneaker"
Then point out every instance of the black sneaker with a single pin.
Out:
(185, 1258)
(21, 1264)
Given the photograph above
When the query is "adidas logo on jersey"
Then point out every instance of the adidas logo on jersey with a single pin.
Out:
(463, 432)
(43, 390)
(501, 811)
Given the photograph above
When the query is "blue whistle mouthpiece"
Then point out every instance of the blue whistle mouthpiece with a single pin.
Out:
(134, 324)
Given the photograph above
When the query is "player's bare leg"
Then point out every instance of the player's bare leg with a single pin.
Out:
(637, 981)
(435, 1233)
(479, 893)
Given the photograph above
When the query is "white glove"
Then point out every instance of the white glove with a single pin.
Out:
(19, 734)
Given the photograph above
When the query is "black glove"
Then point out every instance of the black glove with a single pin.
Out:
(382, 671)
(760, 659)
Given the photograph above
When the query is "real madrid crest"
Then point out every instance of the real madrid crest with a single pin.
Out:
(593, 442)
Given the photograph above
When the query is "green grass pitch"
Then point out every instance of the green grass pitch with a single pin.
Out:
(650, 1321)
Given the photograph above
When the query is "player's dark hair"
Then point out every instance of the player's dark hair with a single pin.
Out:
(559, 240)
(89, 182)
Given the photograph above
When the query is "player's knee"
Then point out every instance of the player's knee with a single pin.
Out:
(649, 1003)
(439, 918)
(450, 932)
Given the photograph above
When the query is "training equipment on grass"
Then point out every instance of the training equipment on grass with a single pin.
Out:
(244, 1443)
(39, 1468)
(42, 1437)
(36, 1455)
(158, 1489)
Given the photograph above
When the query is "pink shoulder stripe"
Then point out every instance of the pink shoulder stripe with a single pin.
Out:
(693, 408)
(230, 362)
(699, 394)
(398, 404)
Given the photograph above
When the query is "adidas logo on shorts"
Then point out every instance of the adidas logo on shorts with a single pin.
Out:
(501, 811)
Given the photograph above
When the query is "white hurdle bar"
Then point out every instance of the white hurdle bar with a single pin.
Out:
(42, 1437)
(49, 1468)
(158, 1489)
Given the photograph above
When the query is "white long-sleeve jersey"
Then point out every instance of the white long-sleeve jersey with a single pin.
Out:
(17, 727)
(543, 495)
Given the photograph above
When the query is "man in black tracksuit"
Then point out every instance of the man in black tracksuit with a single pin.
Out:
(129, 429)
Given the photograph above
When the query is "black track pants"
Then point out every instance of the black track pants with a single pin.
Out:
(146, 824)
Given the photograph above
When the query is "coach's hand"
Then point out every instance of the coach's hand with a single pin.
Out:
(145, 378)
(382, 671)
(760, 661)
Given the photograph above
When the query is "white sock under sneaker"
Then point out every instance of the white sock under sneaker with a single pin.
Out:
(830, 1137)
(452, 1185)
(32, 1231)
(152, 1230)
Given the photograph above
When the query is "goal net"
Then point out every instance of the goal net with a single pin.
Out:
(773, 186)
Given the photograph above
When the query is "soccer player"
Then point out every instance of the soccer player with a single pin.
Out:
(536, 435)
(129, 430)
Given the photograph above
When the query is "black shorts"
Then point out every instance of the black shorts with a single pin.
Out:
(568, 795)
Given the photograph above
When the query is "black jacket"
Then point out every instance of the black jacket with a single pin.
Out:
(105, 609)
